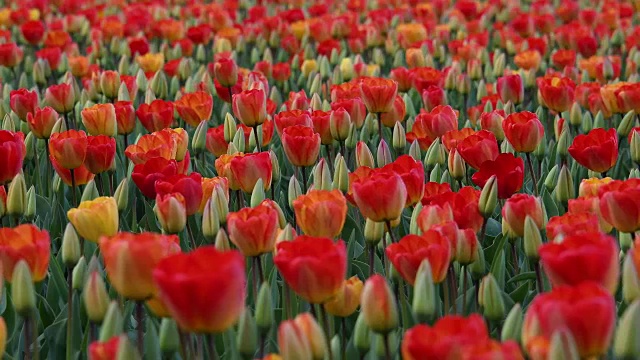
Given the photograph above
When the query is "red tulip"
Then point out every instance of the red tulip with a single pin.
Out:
(145, 175)
(376, 205)
(478, 148)
(447, 339)
(509, 171)
(189, 186)
(557, 92)
(424, 77)
(452, 138)
(10, 55)
(321, 125)
(437, 122)
(402, 76)
(81, 175)
(60, 97)
(407, 254)
(563, 58)
(301, 145)
(510, 88)
(32, 31)
(597, 150)
(23, 102)
(396, 114)
(628, 97)
(248, 168)
(523, 130)
(572, 223)
(281, 72)
(587, 311)
(69, 148)
(250, 107)
(216, 143)
(378, 94)
(412, 174)
(518, 207)
(195, 107)
(463, 205)
(155, 116)
(101, 151)
(355, 107)
(619, 204)
(315, 268)
(125, 117)
(41, 122)
(226, 71)
(492, 121)
(105, 350)
(200, 297)
(253, 230)
(285, 119)
(25, 242)
(433, 96)
(12, 152)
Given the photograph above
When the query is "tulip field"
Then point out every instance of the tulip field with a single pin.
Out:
(320, 180)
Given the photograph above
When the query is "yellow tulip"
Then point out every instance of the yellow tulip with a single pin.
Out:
(95, 218)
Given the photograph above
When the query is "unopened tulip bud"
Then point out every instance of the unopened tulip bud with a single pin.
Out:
(95, 297)
(275, 168)
(373, 232)
(171, 212)
(17, 196)
(379, 305)
(110, 83)
(314, 334)
(598, 121)
(628, 120)
(506, 147)
(634, 147)
(113, 322)
(435, 155)
(413, 224)
(90, 191)
(199, 141)
(563, 346)
(564, 189)
(30, 211)
(122, 195)
(247, 334)
(222, 241)
(210, 220)
(23, 293)
(456, 165)
(630, 279)
(563, 144)
(512, 328)
(341, 175)
(634, 174)
(292, 342)
(70, 246)
(8, 123)
(79, 274)
(399, 138)
(168, 337)
(294, 190)
(383, 155)
(364, 157)
(532, 239)
(264, 309)
(424, 294)
(626, 344)
(488, 197)
(575, 114)
(239, 141)
(159, 85)
(362, 335)
(550, 180)
(340, 124)
(490, 298)
(126, 350)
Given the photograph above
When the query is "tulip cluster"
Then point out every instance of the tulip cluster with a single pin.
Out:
(295, 180)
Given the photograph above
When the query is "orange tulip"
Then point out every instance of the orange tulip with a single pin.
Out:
(347, 300)
(195, 108)
(69, 148)
(100, 119)
(321, 213)
(28, 243)
(254, 230)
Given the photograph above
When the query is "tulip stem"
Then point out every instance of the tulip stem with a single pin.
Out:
(445, 292)
(140, 327)
(191, 237)
(387, 347)
(259, 267)
(539, 283)
(184, 342)
(70, 315)
(327, 331)
(483, 230)
(463, 270)
(213, 353)
(343, 338)
(533, 173)
(380, 126)
(390, 231)
(304, 179)
(287, 301)
(27, 338)
(372, 251)
(453, 287)
(514, 256)
(73, 187)
(48, 165)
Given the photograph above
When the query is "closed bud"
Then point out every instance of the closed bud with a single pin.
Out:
(587, 122)
(275, 168)
(490, 298)
(435, 155)
(512, 328)
(292, 342)
(399, 138)
(264, 309)
(159, 85)
(364, 157)
(456, 165)
(59, 126)
(95, 297)
(413, 224)
(17, 196)
(506, 147)
(564, 189)
(169, 337)
(626, 344)
(361, 336)
(488, 197)
(171, 212)
(314, 335)
(78, 275)
(378, 305)
(564, 141)
(247, 335)
(383, 155)
(90, 192)
(239, 140)
(23, 294)
(373, 232)
(113, 322)
(219, 197)
(540, 150)
(70, 246)
(122, 195)
(30, 142)
(550, 180)
(563, 346)
(634, 147)
(630, 279)
(30, 211)
(435, 174)
(575, 114)
(199, 141)
(414, 151)
(445, 178)
(634, 174)
(257, 195)
(8, 123)
(532, 239)
(341, 175)
(126, 351)
(210, 220)
(424, 294)
(294, 190)
(340, 124)
(598, 121)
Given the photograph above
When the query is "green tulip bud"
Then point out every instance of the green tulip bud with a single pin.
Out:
(383, 155)
(257, 195)
(413, 225)
(361, 335)
(79, 274)
(563, 346)
(634, 147)
(364, 157)
(512, 328)
(210, 220)
(222, 241)
(532, 239)
(341, 174)
(17, 196)
(373, 232)
(264, 309)
(70, 246)
(113, 322)
(294, 190)
(247, 336)
(30, 211)
(630, 280)
(626, 344)
(424, 294)
(490, 298)
(399, 137)
(95, 297)
(90, 191)
(414, 151)
(169, 338)
(564, 189)
(199, 141)
(23, 293)
(488, 197)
